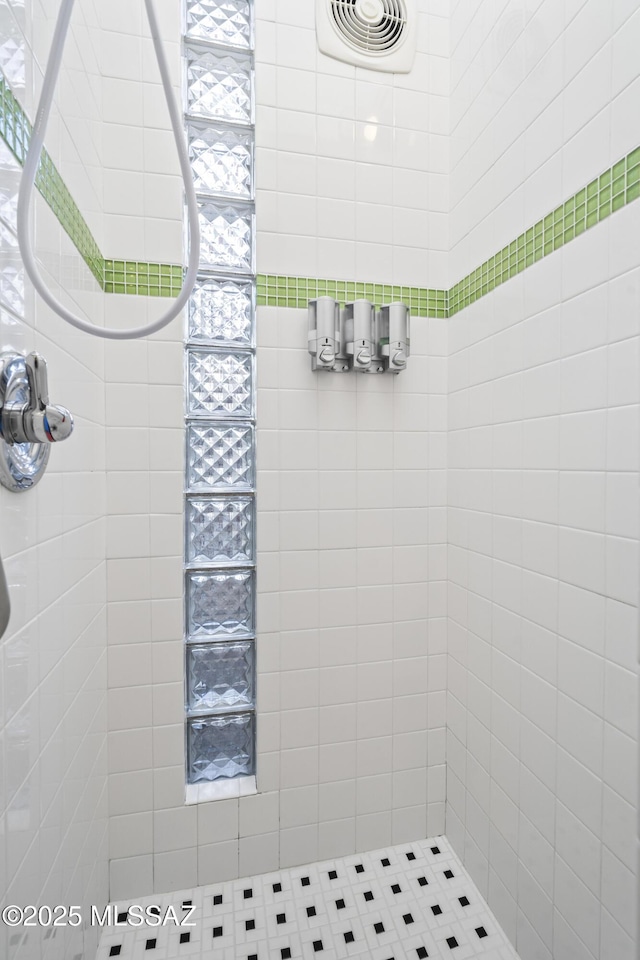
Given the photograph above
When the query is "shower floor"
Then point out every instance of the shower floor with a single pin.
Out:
(405, 902)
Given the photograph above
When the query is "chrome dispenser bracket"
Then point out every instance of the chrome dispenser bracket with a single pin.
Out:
(29, 424)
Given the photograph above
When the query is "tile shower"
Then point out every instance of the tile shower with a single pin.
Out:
(410, 603)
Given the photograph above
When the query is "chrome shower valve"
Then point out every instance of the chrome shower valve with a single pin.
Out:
(26, 416)
(29, 424)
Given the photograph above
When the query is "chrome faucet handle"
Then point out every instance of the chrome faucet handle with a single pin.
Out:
(43, 422)
(26, 416)
(38, 380)
(29, 424)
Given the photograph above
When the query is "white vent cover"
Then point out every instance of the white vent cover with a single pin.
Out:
(376, 34)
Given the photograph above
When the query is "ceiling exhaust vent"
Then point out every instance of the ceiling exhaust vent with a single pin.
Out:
(375, 34)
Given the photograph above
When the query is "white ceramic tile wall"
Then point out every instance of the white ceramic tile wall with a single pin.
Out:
(351, 593)
(152, 845)
(142, 186)
(370, 564)
(543, 551)
(352, 164)
(53, 799)
(543, 459)
(353, 487)
(346, 729)
(543, 98)
(351, 704)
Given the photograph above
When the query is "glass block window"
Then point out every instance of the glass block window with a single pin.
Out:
(220, 384)
(220, 677)
(226, 22)
(220, 456)
(226, 236)
(220, 554)
(220, 530)
(219, 85)
(220, 604)
(221, 312)
(220, 747)
(221, 160)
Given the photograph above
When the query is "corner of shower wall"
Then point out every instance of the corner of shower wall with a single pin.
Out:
(542, 388)
(53, 816)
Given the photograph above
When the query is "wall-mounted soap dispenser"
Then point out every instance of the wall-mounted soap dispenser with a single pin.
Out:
(394, 336)
(324, 335)
(358, 337)
(359, 330)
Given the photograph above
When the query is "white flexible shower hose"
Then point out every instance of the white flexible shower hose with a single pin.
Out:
(31, 168)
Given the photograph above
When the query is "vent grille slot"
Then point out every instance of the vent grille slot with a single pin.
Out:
(373, 27)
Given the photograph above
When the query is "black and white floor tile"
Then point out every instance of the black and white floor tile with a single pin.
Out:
(402, 903)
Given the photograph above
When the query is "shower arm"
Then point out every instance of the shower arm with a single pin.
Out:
(31, 167)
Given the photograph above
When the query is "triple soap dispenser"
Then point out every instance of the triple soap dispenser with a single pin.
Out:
(358, 337)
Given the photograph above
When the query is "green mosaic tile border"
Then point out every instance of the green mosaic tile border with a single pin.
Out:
(142, 279)
(114, 276)
(612, 190)
(276, 291)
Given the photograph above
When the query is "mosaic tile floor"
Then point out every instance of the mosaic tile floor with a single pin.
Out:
(402, 903)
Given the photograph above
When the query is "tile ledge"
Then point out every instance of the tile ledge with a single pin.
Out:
(220, 790)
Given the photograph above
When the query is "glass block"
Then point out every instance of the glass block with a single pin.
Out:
(12, 47)
(218, 84)
(220, 677)
(220, 456)
(226, 236)
(221, 310)
(221, 160)
(220, 530)
(220, 21)
(220, 604)
(9, 188)
(12, 279)
(221, 747)
(220, 384)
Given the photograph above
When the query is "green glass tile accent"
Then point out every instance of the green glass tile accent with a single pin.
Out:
(619, 168)
(300, 290)
(138, 278)
(113, 276)
(604, 195)
(633, 192)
